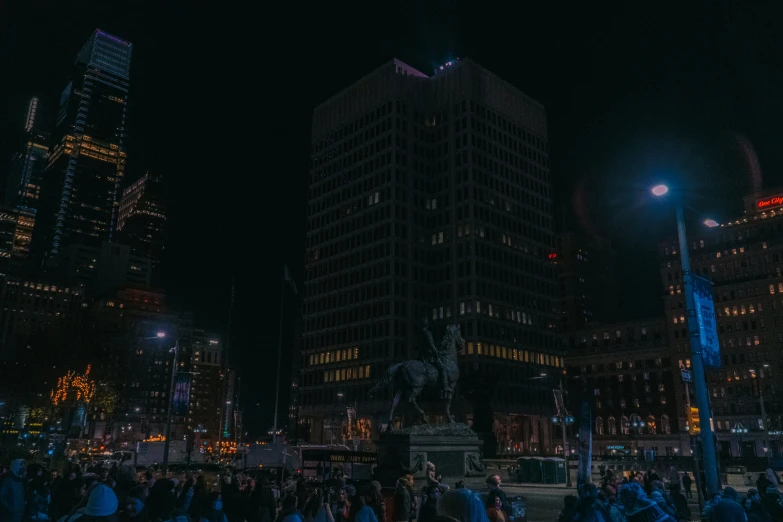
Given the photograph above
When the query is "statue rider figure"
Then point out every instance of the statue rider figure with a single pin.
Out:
(445, 389)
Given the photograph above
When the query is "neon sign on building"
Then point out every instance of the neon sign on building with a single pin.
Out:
(771, 202)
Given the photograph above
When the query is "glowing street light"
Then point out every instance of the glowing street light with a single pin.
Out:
(161, 335)
(711, 223)
(697, 362)
(660, 190)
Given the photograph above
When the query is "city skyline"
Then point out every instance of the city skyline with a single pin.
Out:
(608, 136)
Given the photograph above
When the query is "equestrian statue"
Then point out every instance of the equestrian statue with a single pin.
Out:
(438, 369)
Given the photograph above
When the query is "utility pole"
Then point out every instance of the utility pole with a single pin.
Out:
(167, 441)
(279, 356)
(697, 363)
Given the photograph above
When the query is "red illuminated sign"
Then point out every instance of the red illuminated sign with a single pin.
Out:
(775, 201)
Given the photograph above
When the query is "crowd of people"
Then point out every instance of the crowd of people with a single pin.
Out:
(120, 494)
(646, 497)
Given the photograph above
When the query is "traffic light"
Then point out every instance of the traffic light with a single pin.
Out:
(695, 426)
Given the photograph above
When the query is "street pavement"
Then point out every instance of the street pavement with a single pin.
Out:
(543, 503)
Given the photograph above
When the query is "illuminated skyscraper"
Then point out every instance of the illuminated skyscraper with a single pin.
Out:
(430, 196)
(142, 220)
(79, 194)
(23, 185)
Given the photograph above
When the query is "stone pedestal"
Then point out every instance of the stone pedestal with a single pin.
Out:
(455, 450)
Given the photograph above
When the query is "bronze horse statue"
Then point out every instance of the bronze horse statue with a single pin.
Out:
(409, 378)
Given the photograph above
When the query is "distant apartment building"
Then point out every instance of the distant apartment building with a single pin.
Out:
(743, 259)
(625, 371)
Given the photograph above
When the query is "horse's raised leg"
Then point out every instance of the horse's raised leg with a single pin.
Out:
(395, 401)
(412, 401)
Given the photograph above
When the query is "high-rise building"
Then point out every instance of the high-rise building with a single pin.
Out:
(142, 219)
(79, 193)
(205, 397)
(588, 286)
(105, 267)
(429, 197)
(744, 260)
(23, 186)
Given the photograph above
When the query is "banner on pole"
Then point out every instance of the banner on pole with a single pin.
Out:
(182, 394)
(705, 317)
(585, 444)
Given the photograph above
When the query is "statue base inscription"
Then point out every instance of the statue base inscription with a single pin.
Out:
(454, 449)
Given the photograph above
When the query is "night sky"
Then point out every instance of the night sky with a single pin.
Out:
(222, 97)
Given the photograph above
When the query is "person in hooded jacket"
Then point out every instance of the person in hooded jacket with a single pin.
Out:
(12, 503)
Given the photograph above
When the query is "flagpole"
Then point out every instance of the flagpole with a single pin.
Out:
(279, 355)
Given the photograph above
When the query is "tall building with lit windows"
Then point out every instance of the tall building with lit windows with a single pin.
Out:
(142, 219)
(23, 186)
(743, 258)
(80, 186)
(429, 196)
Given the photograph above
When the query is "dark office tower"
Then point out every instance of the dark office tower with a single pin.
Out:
(429, 197)
(80, 188)
(23, 185)
(142, 219)
(588, 286)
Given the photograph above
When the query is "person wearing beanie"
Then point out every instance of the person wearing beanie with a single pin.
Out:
(101, 506)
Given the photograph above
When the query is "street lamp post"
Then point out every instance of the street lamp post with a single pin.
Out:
(167, 439)
(767, 448)
(697, 363)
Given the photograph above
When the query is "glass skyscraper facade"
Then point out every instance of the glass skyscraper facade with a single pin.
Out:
(430, 197)
(80, 186)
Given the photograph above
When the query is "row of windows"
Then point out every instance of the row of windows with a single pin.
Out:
(333, 356)
(635, 402)
(347, 374)
(514, 354)
(633, 424)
